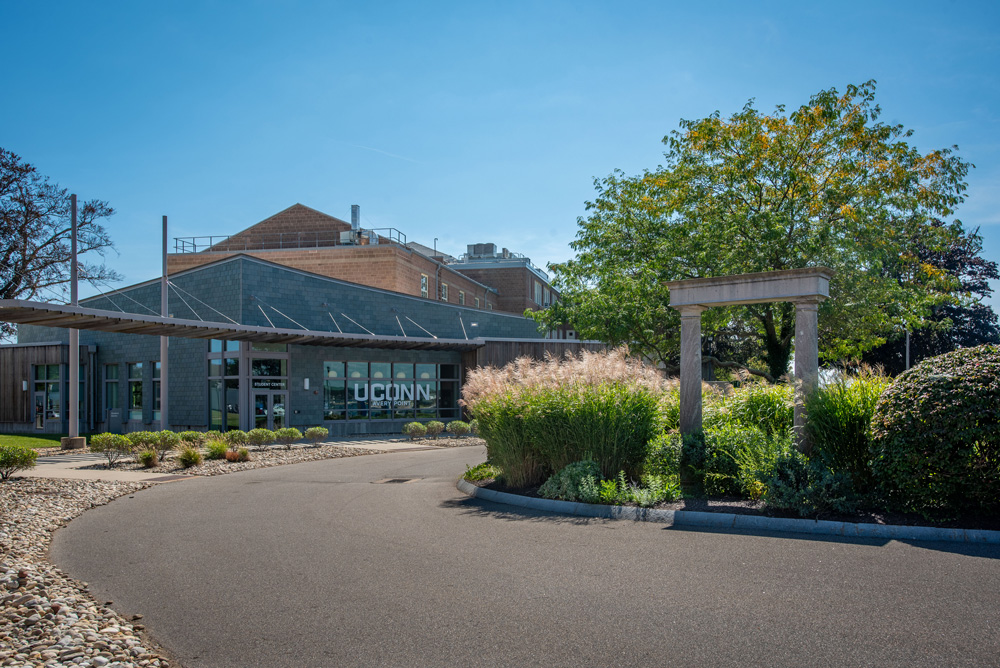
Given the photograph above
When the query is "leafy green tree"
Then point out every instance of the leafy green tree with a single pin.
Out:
(825, 185)
(966, 323)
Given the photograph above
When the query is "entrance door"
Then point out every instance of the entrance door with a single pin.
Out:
(269, 410)
(39, 410)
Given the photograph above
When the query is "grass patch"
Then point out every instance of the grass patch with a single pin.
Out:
(32, 440)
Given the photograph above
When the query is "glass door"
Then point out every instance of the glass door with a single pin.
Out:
(269, 410)
(39, 410)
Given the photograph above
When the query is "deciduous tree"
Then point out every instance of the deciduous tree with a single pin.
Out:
(35, 235)
(827, 184)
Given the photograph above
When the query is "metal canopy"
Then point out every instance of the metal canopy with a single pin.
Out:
(57, 315)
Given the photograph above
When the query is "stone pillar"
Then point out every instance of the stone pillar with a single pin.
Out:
(690, 368)
(806, 362)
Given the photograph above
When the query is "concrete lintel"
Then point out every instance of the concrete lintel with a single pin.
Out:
(794, 285)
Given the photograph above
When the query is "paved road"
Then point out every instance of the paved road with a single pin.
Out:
(314, 565)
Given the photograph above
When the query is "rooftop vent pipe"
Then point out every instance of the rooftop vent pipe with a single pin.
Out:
(355, 217)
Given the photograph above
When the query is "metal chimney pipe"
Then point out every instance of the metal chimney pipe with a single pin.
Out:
(355, 217)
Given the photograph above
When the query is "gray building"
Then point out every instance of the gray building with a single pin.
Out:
(257, 344)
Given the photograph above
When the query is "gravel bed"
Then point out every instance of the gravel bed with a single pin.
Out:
(48, 618)
(451, 442)
(259, 459)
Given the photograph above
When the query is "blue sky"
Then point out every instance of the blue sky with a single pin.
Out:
(465, 121)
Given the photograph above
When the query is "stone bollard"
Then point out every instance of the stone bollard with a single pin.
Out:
(73, 442)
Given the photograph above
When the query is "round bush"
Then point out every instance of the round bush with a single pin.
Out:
(936, 434)
(414, 430)
(14, 458)
(317, 434)
(434, 428)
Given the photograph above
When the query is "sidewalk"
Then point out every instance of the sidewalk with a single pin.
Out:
(77, 464)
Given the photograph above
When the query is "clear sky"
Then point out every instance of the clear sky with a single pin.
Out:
(462, 121)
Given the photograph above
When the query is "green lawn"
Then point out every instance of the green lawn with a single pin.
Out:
(32, 440)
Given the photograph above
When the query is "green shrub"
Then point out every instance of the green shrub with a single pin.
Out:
(260, 437)
(936, 434)
(474, 427)
(211, 435)
(458, 429)
(730, 459)
(808, 487)
(670, 409)
(538, 417)
(652, 490)
(235, 438)
(838, 424)
(317, 434)
(575, 482)
(166, 441)
(241, 455)
(189, 457)
(506, 441)
(484, 471)
(287, 436)
(143, 440)
(216, 449)
(149, 458)
(112, 446)
(663, 455)
(192, 437)
(14, 458)
(434, 428)
(769, 408)
(414, 430)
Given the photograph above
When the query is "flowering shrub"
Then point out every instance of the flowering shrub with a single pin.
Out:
(936, 434)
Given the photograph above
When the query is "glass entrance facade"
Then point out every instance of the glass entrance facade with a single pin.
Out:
(389, 391)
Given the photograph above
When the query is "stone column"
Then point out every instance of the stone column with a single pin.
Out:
(806, 362)
(690, 368)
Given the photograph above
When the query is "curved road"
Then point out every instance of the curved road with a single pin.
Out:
(314, 565)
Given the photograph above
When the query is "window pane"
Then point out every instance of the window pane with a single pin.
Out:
(333, 369)
(111, 396)
(449, 395)
(426, 371)
(232, 346)
(270, 347)
(232, 399)
(232, 365)
(40, 372)
(449, 371)
(135, 400)
(334, 399)
(402, 371)
(52, 402)
(156, 369)
(215, 346)
(135, 370)
(426, 399)
(111, 372)
(380, 370)
(357, 369)
(215, 368)
(266, 367)
(215, 412)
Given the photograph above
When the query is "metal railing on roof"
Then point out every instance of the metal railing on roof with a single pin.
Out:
(507, 256)
(289, 240)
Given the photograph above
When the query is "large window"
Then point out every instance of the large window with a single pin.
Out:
(423, 285)
(444, 292)
(461, 297)
(389, 390)
(135, 390)
(538, 292)
(47, 384)
(224, 385)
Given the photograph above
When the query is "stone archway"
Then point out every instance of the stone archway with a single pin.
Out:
(805, 288)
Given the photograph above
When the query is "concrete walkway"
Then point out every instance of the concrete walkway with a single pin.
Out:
(81, 464)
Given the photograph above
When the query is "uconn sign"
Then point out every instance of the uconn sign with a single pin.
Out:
(391, 395)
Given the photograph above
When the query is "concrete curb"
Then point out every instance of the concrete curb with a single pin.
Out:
(691, 518)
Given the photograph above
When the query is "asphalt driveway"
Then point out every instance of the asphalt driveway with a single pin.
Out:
(320, 564)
